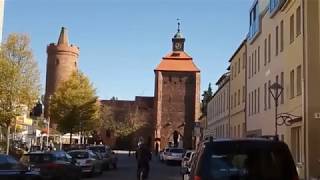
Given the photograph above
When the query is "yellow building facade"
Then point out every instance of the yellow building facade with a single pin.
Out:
(282, 46)
(218, 114)
(238, 92)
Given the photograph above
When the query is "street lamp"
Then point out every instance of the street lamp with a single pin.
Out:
(276, 90)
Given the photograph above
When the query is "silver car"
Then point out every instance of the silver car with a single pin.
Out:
(109, 157)
(89, 162)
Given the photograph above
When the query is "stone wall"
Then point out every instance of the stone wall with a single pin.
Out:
(141, 109)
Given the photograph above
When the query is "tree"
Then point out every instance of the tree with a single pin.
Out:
(207, 95)
(120, 126)
(19, 82)
(74, 106)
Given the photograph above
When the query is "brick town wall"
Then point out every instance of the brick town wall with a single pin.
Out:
(142, 108)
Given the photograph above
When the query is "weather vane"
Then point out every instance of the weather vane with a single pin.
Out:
(178, 19)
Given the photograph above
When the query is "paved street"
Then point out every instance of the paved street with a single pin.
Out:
(127, 170)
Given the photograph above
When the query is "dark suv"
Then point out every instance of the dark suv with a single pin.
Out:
(243, 159)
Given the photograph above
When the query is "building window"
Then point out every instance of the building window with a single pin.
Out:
(265, 96)
(235, 70)
(269, 95)
(269, 48)
(273, 6)
(238, 96)
(255, 101)
(281, 36)
(296, 144)
(258, 58)
(239, 130)
(265, 51)
(235, 99)
(255, 61)
(282, 84)
(252, 101)
(292, 84)
(254, 21)
(239, 66)
(291, 28)
(231, 101)
(243, 94)
(252, 65)
(258, 108)
(299, 85)
(277, 40)
(227, 97)
(249, 67)
(249, 104)
(244, 59)
(231, 72)
(298, 21)
(57, 61)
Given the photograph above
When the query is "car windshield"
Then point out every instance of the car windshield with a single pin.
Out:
(100, 149)
(36, 158)
(79, 154)
(176, 150)
(225, 161)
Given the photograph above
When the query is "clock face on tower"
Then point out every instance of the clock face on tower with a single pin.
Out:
(177, 46)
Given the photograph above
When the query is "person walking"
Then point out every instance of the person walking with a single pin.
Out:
(143, 156)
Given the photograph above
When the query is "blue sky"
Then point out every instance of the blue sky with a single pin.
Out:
(122, 41)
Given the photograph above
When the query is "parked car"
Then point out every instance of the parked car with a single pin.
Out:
(109, 157)
(255, 158)
(186, 161)
(162, 154)
(11, 169)
(174, 155)
(89, 162)
(52, 165)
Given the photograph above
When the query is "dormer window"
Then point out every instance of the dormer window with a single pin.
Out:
(254, 21)
(274, 6)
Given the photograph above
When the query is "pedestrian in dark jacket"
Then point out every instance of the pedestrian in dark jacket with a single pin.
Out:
(143, 156)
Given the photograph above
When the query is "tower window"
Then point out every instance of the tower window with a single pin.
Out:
(57, 62)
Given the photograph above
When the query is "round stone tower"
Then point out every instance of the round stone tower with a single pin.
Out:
(61, 63)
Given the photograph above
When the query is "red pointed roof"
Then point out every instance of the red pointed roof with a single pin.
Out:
(177, 61)
(63, 38)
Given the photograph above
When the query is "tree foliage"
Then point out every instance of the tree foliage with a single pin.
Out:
(19, 82)
(120, 126)
(207, 95)
(74, 105)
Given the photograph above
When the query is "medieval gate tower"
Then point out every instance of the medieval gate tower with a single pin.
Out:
(177, 99)
(61, 63)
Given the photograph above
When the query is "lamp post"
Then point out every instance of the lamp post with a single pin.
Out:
(276, 90)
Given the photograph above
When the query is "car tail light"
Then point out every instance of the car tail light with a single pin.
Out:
(197, 178)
